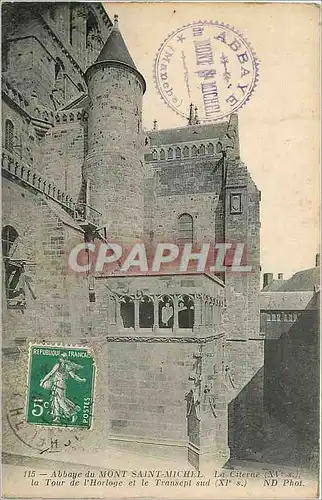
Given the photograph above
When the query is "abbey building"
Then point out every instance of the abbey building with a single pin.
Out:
(178, 355)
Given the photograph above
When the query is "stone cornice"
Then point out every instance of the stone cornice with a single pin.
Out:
(165, 340)
(42, 118)
(158, 275)
(15, 97)
(104, 14)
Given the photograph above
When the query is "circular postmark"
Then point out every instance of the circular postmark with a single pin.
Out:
(209, 64)
(42, 439)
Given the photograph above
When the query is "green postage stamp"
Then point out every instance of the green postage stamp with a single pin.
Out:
(60, 386)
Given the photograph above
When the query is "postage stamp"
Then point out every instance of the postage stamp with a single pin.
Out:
(209, 64)
(60, 386)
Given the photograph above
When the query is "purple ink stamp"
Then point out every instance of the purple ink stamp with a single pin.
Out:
(209, 64)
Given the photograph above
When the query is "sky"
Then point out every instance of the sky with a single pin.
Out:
(280, 125)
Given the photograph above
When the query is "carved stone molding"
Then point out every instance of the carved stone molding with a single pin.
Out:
(165, 340)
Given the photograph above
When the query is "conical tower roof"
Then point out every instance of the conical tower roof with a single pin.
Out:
(115, 48)
(115, 52)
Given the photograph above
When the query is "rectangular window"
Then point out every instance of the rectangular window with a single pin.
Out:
(235, 203)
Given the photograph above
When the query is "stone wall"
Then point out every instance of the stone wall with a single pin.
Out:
(45, 240)
(114, 163)
(26, 145)
(291, 389)
(63, 152)
(34, 37)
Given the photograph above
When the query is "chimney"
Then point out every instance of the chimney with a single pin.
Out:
(267, 279)
(280, 276)
(317, 260)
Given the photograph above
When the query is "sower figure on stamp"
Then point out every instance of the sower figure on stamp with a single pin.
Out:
(55, 381)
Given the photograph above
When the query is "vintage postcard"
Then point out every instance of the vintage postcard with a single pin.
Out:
(160, 250)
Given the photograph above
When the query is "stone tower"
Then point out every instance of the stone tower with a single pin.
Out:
(114, 169)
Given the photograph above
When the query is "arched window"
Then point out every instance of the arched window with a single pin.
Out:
(202, 150)
(59, 80)
(166, 311)
(218, 147)
(186, 151)
(127, 312)
(210, 149)
(9, 236)
(154, 154)
(170, 154)
(74, 16)
(146, 312)
(178, 152)
(185, 312)
(59, 69)
(194, 151)
(185, 229)
(14, 271)
(92, 30)
(8, 138)
(162, 154)
(112, 310)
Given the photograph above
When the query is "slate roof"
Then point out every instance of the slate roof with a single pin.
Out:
(304, 281)
(293, 294)
(189, 133)
(285, 301)
(273, 286)
(115, 49)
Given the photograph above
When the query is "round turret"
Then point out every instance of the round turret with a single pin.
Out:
(114, 168)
